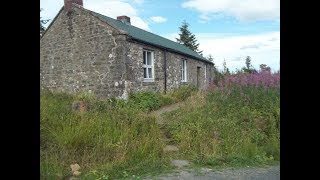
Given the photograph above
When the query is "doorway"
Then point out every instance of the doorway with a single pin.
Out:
(198, 77)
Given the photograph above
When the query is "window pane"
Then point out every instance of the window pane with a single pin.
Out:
(148, 58)
(182, 74)
(145, 72)
(150, 72)
(144, 57)
(183, 70)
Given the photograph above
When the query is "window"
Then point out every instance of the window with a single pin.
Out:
(183, 70)
(205, 73)
(148, 71)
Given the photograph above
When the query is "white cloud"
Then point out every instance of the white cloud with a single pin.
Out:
(158, 19)
(262, 48)
(244, 10)
(138, 22)
(114, 8)
(111, 8)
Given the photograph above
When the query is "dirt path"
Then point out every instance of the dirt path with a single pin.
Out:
(157, 113)
(265, 173)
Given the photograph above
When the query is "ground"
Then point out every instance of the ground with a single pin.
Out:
(261, 173)
(183, 172)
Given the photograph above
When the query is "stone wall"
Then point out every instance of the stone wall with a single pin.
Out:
(80, 53)
(174, 71)
(135, 56)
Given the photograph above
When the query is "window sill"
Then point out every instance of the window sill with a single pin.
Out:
(148, 80)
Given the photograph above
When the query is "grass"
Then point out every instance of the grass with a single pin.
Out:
(230, 127)
(110, 141)
(115, 139)
(148, 101)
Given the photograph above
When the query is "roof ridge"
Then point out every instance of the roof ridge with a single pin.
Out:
(109, 20)
(141, 29)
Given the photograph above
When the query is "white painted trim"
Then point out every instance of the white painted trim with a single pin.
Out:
(149, 66)
(185, 70)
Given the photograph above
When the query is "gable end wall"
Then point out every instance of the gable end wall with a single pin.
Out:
(80, 53)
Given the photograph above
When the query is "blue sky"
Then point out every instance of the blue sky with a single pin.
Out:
(229, 30)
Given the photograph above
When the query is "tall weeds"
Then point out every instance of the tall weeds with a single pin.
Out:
(239, 123)
(113, 140)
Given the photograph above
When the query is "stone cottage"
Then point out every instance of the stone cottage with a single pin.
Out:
(83, 51)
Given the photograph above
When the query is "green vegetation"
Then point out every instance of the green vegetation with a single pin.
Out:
(234, 124)
(228, 125)
(113, 139)
(187, 38)
(148, 101)
(116, 141)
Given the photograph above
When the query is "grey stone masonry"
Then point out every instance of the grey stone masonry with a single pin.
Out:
(81, 53)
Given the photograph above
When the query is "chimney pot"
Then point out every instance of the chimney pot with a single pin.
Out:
(124, 19)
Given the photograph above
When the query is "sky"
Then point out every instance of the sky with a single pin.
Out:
(229, 30)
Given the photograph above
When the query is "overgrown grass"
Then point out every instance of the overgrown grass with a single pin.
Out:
(116, 141)
(229, 125)
(148, 101)
(232, 125)
(114, 138)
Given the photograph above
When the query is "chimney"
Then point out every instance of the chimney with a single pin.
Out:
(68, 4)
(124, 19)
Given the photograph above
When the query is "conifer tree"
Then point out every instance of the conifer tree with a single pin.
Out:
(42, 23)
(187, 38)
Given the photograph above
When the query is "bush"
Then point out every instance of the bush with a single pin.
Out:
(182, 93)
(111, 137)
(238, 125)
(149, 101)
(146, 101)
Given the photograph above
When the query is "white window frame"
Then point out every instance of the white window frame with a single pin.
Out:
(148, 66)
(183, 70)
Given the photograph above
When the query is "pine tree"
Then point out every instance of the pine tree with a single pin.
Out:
(248, 62)
(187, 38)
(42, 22)
(248, 68)
(264, 67)
(217, 75)
(210, 58)
(224, 64)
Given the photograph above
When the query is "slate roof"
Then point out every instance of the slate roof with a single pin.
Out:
(150, 38)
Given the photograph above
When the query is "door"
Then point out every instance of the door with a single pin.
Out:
(198, 77)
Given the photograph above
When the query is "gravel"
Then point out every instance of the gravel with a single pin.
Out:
(265, 173)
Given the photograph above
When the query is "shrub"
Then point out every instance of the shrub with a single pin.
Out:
(182, 93)
(111, 137)
(238, 125)
(145, 101)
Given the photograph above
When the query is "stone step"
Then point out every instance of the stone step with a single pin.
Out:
(170, 148)
(180, 163)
